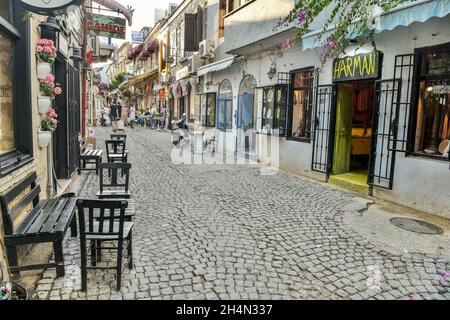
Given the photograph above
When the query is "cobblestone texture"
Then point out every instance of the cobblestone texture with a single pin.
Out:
(228, 232)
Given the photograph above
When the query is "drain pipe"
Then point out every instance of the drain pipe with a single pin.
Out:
(50, 185)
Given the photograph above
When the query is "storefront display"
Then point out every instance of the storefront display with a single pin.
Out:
(433, 107)
(206, 102)
(274, 106)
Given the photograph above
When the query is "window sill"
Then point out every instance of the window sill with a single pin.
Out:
(304, 140)
(428, 156)
(237, 9)
(10, 163)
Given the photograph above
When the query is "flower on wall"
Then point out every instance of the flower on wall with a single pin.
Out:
(46, 51)
(50, 121)
(48, 88)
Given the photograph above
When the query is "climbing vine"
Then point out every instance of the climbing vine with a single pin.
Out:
(346, 20)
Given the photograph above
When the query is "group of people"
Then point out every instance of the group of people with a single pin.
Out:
(119, 112)
(153, 116)
(129, 116)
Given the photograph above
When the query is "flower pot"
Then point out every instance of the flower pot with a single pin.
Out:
(19, 292)
(43, 70)
(44, 103)
(44, 138)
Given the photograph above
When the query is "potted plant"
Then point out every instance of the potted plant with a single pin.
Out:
(48, 125)
(48, 91)
(45, 55)
(13, 291)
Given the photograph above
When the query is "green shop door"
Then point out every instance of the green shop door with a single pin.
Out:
(343, 136)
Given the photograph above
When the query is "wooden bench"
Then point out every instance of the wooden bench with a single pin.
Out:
(89, 156)
(47, 222)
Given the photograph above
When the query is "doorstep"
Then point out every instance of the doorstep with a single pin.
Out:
(355, 181)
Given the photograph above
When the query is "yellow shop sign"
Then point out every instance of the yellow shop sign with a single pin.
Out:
(363, 66)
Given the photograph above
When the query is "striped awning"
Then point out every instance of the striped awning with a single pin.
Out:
(403, 15)
(216, 66)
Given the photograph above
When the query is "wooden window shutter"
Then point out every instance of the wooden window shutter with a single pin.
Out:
(199, 24)
(190, 32)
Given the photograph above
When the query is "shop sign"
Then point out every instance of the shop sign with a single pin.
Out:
(50, 7)
(182, 73)
(137, 37)
(106, 26)
(363, 66)
(63, 45)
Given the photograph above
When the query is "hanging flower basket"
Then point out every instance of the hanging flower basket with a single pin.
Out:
(44, 138)
(43, 70)
(44, 104)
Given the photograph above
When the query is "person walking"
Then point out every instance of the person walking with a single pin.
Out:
(119, 110)
(154, 114)
(113, 112)
(132, 117)
(124, 116)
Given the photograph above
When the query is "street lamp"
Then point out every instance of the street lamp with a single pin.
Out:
(50, 24)
(272, 71)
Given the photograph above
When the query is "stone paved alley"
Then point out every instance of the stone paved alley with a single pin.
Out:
(229, 232)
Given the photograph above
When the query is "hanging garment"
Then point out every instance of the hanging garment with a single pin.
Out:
(445, 130)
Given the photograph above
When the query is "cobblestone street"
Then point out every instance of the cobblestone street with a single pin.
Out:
(229, 232)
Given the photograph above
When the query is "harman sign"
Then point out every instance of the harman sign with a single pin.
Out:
(106, 26)
(52, 7)
(363, 66)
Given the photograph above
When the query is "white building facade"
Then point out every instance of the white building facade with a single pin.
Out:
(373, 121)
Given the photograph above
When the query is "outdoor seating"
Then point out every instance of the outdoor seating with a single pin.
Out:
(116, 151)
(101, 231)
(47, 222)
(117, 187)
(89, 156)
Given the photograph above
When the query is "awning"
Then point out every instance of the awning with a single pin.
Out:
(142, 77)
(216, 66)
(403, 15)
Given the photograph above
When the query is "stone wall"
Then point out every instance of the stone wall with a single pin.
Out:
(40, 155)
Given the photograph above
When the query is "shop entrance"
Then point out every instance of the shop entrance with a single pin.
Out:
(353, 134)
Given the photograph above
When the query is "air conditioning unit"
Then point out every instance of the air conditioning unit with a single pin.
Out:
(206, 49)
(95, 45)
(194, 62)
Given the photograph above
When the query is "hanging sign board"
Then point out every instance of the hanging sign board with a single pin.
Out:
(50, 7)
(106, 26)
(137, 37)
(364, 66)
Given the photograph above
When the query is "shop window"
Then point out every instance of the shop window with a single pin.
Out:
(207, 105)
(301, 96)
(432, 132)
(274, 106)
(225, 106)
(236, 4)
(15, 109)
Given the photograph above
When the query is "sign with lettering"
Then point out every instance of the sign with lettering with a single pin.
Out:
(46, 7)
(364, 66)
(106, 26)
(137, 37)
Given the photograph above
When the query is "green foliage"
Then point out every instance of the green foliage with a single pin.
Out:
(351, 19)
(116, 81)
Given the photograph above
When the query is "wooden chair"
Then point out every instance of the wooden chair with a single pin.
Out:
(89, 156)
(116, 151)
(111, 228)
(115, 189)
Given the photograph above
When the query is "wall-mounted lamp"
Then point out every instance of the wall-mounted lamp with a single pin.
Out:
(51, 24)
(272, 71)
(76, 54)
(209, 84)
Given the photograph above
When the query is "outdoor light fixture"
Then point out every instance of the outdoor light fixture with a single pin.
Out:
(272, 71)
(50, 25)
(76, 56)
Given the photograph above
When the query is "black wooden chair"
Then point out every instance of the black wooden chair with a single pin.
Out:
(113, 186)
(120, 137)
(116, 151)
(108, 228)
